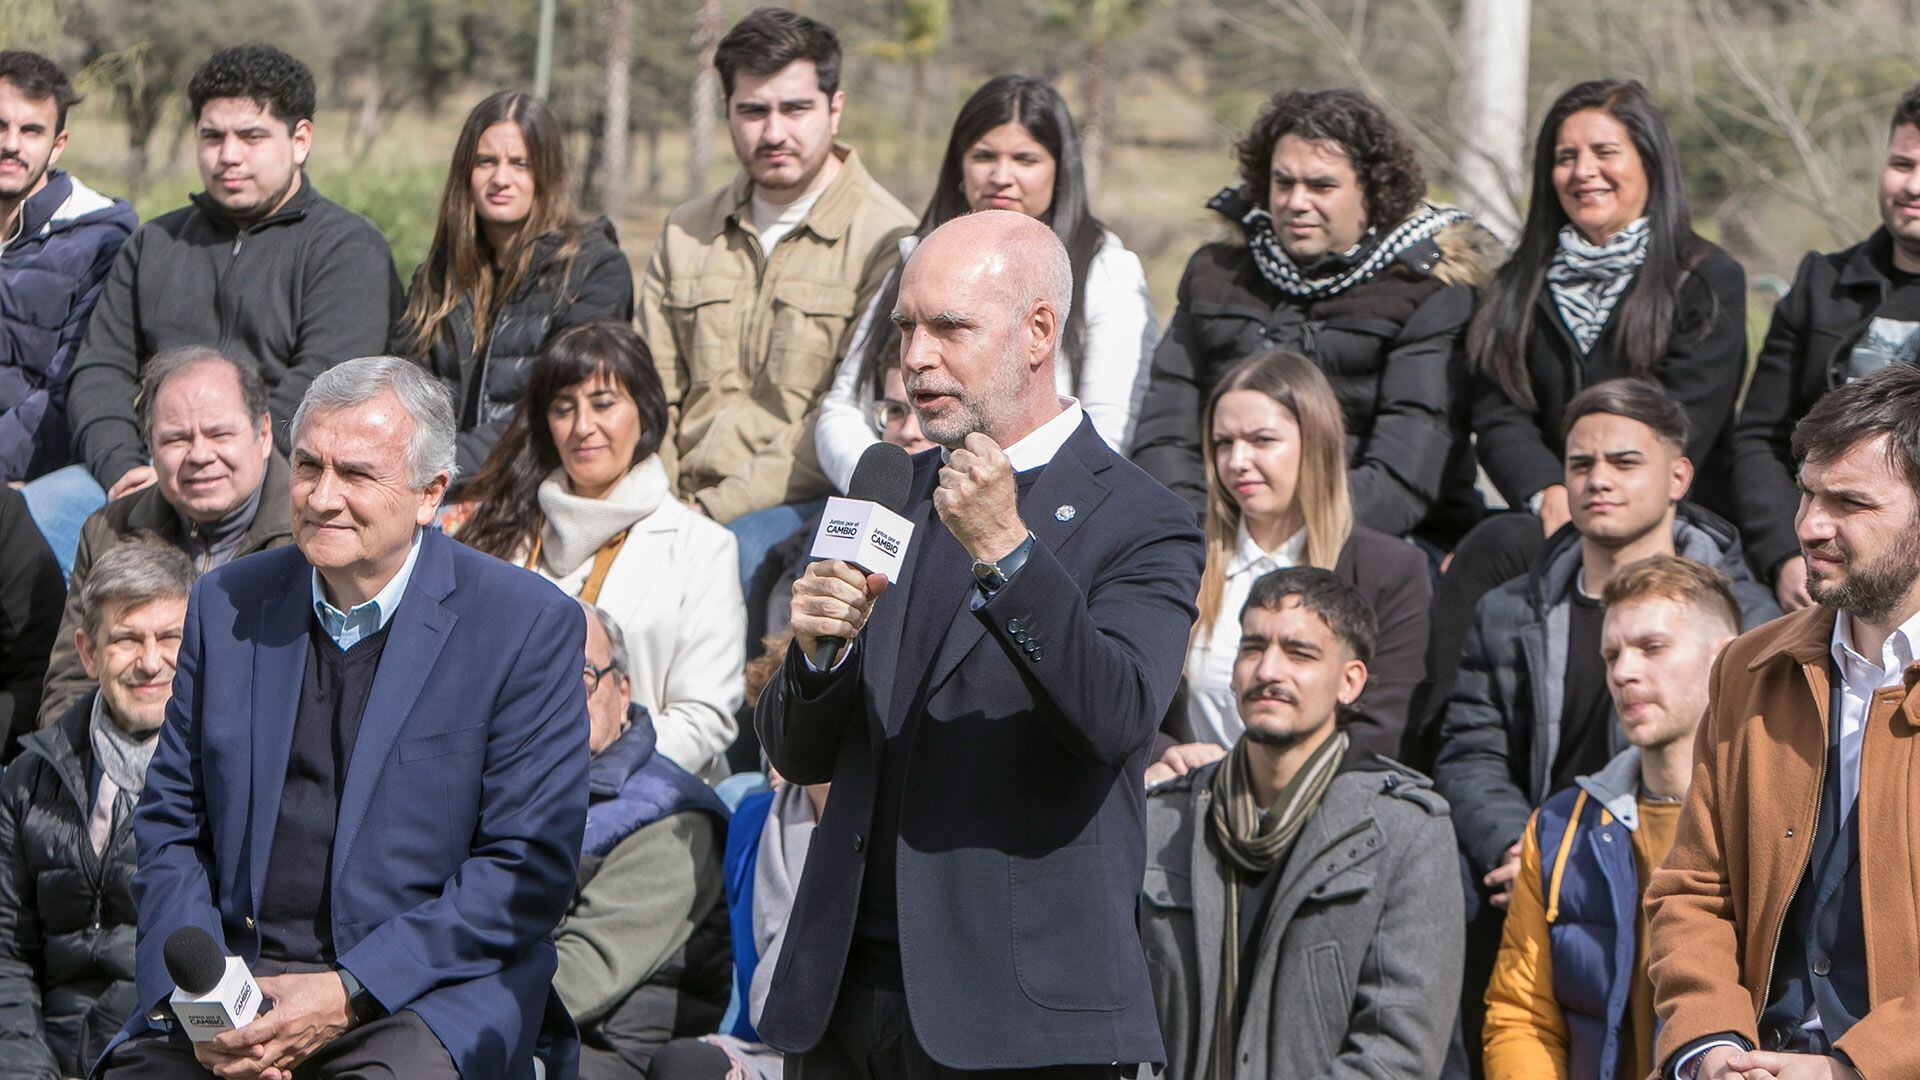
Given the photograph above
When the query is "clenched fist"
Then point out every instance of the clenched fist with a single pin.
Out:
(832, 599)
(978, 501)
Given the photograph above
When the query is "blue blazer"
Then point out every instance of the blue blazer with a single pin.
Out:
(1022, 840)
(464, 804)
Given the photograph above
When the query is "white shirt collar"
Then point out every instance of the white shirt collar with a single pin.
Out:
(1248, 555)
(1042, 443)
(1896, 654)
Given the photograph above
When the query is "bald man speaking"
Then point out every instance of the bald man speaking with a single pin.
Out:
(968, 901)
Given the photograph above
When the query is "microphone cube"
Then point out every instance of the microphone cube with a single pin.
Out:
(233, 1002)
(866, 534)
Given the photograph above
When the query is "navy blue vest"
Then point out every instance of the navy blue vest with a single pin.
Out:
(1821, 964)
(1592, 939)
(630, 787)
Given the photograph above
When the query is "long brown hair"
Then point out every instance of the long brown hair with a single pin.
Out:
(1297, 384)
(506, 493)
(461, 261)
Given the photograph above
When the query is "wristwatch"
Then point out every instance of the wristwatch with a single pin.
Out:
(992, 576)
(362, 1006)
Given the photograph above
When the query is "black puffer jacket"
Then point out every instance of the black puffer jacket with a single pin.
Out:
(66, 916)
(556, 294)
(1391, 347)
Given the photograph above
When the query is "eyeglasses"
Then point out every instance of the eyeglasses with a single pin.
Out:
(592, 675)
(890, 411)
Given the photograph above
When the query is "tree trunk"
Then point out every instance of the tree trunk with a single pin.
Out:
(1093, 131)
(653, 159)
(917, 115)
(706, 97)
(614, 132)
(367, 124)
(1490, 164)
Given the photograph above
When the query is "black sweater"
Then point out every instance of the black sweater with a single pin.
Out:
(307, 287)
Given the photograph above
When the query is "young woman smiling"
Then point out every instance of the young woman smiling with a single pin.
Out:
(511, 265)
(1013, 147)
(576, 492)
(1608, 280)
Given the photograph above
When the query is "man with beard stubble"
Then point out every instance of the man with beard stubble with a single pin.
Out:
(1784, 919)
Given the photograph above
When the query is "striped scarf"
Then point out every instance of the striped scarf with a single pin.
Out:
(1342, 270)
(1588, 279)
(1249, 844)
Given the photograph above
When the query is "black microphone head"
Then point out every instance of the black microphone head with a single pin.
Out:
(884, 476)
(194, 960)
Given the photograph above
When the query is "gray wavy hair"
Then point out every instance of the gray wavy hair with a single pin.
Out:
(430, 449)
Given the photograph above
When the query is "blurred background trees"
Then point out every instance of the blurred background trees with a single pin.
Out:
(1780, 106)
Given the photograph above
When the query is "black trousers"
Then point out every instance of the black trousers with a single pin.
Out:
(396, 1047)
(870, 1037)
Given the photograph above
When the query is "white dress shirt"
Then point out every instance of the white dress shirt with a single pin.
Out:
(1860, 679)
(1212, 711)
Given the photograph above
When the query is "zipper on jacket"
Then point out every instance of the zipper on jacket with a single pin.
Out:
(1780, 928)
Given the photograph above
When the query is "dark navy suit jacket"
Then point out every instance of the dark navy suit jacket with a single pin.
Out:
(1022, 842)
(464, 803)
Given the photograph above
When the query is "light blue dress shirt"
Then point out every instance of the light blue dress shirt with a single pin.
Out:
(348, 628)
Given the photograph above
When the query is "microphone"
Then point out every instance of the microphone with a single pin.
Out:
(866, 528)
(212, 992)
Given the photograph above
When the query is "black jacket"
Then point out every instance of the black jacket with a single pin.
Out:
(1705, 361)
(1391, 347)
(1834, 296)
(1021, 842)
(66, 915)
(31, 594)
(307, 287)
(596, 284)
(1501, 728)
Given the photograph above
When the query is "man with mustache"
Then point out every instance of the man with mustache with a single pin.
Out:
(57, 238)
(1529, 711)
(1299, 908)
(751, 291)
(260, 267)
(1570, 996)
(1784, 918)
(1849, 313)
(219, 491)
(66, 821)
(968, 900)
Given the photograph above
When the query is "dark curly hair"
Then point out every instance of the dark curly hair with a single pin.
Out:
(1390, 175)
(259, 73)
(1908, 111)
(38, 78)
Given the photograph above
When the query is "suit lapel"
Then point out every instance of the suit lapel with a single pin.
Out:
(890, 611)
(1065, 496)
(415, 637)
(279, 666)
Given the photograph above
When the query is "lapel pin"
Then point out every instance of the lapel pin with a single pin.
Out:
(1065, 513)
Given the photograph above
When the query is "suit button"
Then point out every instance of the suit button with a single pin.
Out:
(1822, 966)
(249, 922)
(859, 842)
(1014, 627)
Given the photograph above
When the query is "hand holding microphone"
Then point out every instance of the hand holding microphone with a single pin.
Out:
(861, 545)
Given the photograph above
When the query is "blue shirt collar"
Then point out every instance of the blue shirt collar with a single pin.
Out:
(349, 627)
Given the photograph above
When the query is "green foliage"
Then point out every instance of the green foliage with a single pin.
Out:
(401, 199)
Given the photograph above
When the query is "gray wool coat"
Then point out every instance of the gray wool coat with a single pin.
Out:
(1360, 955)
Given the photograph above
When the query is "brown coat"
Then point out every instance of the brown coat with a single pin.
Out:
(1719, 902)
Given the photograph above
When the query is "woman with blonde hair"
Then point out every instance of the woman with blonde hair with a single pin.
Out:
(1276, 464)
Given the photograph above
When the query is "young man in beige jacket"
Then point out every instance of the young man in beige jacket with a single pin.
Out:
(752, 290)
